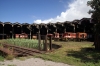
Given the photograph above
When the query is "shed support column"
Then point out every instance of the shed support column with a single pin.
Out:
(47, 31)
(30, 29)
(56, 30)
(74, 29)
(3, 32)
(84, 29)
(12, 32)
(39, 40)
(50, 42)
(64, 30)
(45, 47)
(30, 34)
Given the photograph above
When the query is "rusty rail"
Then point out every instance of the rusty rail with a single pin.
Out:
(19, 51)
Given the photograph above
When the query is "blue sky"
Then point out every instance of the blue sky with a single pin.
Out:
(34, 10)
(30, 10)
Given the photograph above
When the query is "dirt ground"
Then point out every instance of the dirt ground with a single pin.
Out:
(31, 62)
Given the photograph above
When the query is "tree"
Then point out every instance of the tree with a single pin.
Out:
(95, 5)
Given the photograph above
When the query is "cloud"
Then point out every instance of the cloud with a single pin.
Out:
(76, 10)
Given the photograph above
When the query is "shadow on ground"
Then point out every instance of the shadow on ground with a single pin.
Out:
(55, 46)
(85, 55)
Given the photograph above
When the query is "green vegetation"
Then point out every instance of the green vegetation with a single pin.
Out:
(9, 57)
(19, 42)
(74, 53)
(28, 43)
(1, 58)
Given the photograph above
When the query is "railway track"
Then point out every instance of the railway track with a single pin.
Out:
(19, 51)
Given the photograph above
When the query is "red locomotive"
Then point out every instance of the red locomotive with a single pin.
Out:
(71, 36)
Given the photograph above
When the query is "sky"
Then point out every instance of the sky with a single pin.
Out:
(43, 11)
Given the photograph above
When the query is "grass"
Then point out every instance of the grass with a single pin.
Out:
(19, 42)
(1, 58)
(74, 53)
(28, 43)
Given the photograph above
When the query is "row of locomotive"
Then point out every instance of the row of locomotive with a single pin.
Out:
(64, 36)
(71, 36)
